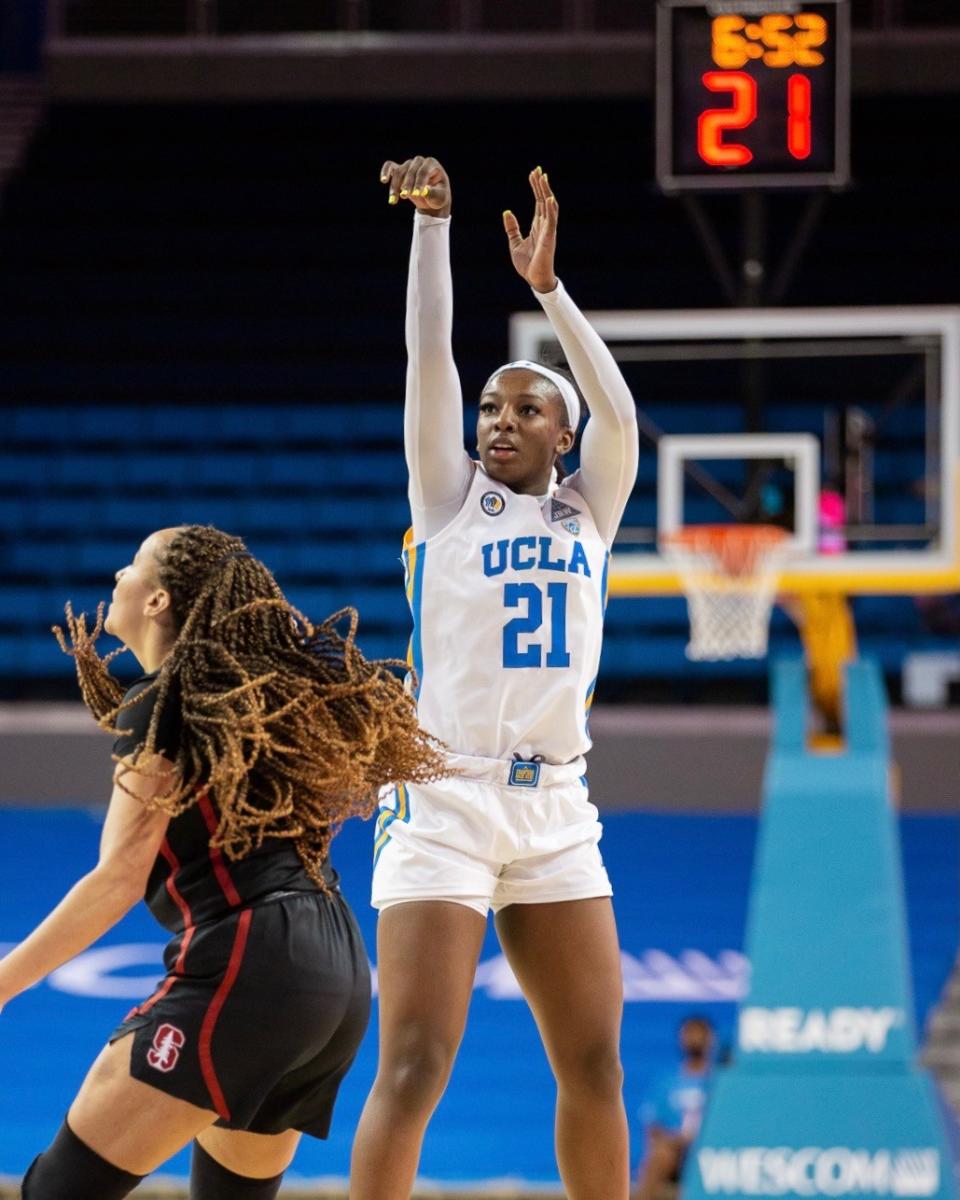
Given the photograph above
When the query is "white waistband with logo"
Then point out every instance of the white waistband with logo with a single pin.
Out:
(517, 772)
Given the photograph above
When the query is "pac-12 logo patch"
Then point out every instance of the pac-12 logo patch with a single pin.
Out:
(164, 1054)
(559, 510)
(492, 503)
(572, 525)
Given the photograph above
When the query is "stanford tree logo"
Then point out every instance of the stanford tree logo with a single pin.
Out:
(164, 1054)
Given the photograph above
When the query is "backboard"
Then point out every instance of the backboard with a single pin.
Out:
(841, 424)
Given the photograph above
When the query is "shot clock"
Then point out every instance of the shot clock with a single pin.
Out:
(752, 94)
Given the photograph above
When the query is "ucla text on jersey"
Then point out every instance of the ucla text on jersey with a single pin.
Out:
(529, 553)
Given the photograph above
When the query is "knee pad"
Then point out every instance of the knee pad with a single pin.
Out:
(70, 1170)
(211, 1181)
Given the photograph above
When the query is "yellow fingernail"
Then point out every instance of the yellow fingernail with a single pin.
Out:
(404, 192)
(507, 212)
(539, 170)
(424, 191)
(383, 178)
(392, 199)
(546, 177)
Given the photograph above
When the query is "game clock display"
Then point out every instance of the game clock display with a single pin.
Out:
(752, 94)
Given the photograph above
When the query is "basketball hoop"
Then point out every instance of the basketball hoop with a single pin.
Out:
(729, 575)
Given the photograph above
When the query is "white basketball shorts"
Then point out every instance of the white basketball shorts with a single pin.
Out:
(497, 833)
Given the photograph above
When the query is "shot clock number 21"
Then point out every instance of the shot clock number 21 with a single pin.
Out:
(779, 41)
(757, 97)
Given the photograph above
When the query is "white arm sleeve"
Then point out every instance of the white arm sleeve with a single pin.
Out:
(440, 469)
(609, 448)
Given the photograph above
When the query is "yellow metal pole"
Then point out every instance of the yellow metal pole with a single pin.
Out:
(829, 640)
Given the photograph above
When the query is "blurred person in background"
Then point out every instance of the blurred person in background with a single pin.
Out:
(673, 1110)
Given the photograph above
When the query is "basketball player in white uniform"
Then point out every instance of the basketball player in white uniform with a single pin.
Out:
(506, 576)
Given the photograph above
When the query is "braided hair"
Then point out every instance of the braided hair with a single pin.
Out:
(285, 722)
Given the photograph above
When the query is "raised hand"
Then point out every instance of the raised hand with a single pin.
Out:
(533, 255)
(422, 181)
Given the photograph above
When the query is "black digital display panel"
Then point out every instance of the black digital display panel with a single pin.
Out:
(754, 94)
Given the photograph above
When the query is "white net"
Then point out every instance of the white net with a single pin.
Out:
(729, 575)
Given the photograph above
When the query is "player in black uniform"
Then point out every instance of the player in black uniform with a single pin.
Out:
(250, 737)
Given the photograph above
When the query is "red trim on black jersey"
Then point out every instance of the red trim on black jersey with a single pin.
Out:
(213, 1012)
(171, 885)
(216, 858)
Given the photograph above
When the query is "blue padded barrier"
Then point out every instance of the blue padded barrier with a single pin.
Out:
(823, 1097)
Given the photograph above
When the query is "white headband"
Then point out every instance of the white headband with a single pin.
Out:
(571, 401)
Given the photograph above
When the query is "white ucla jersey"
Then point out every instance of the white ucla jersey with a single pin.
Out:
(507, 605)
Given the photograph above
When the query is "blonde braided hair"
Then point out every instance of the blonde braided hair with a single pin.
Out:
(285, 722)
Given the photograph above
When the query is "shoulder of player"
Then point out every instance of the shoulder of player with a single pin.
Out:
(140, 700)
(138, 687)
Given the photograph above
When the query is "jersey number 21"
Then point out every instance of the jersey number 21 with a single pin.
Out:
(529, 597)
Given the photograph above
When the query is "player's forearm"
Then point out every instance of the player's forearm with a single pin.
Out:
(429, 316)
(92, 906)
(433, 412)
(609, 450)
(594, 367)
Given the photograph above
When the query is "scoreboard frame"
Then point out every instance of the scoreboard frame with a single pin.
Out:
(683, 85)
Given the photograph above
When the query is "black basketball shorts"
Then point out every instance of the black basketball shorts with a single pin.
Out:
(260, 1014)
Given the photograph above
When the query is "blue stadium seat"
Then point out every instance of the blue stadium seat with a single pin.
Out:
(900, 464)
(693, 418)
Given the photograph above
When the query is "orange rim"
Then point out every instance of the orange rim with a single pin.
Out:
(733, 549)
